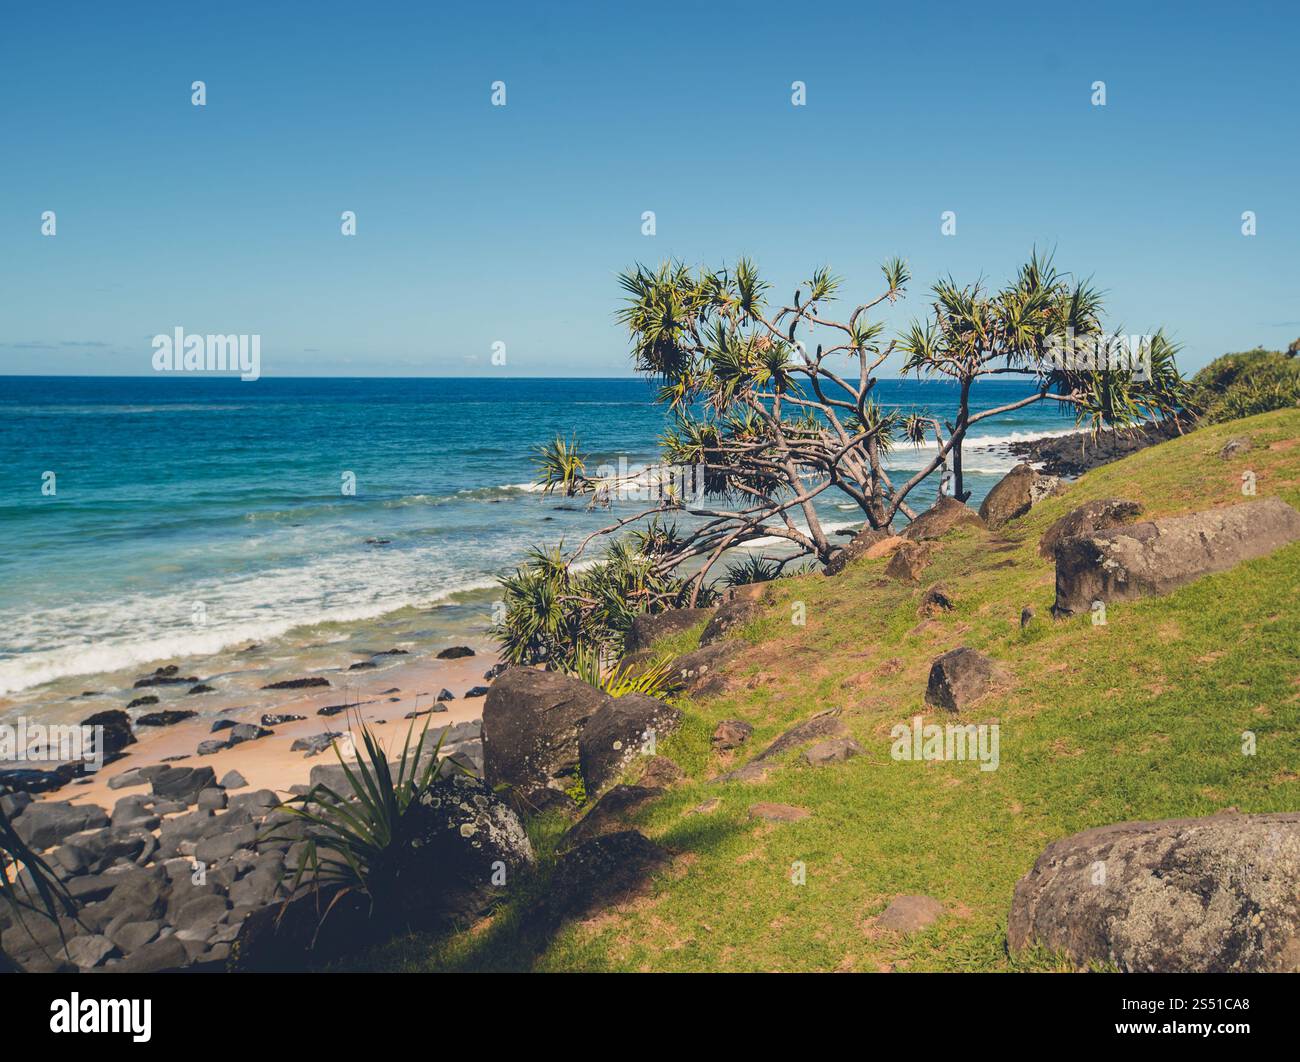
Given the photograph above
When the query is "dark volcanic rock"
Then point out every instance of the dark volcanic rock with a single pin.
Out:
(531, 723)
(167, 718)
(165, 676)
(455, 652)
(140, 702)
(1216, 894)
(1073, 455)
(248, 732)
(495, 670)
(648, 627)
(465, 849)
(363, 665)
(298, 684)
(184, 783)
(277, 720)
(316, 743)
(1156, 557)
(1093, 516)
(1015, 494)
(476, 691)
(958, 678)
(117, 729)
(202, 687)
(43, 824)
(945, 514)
(446, 695)
(617, 732)
(212, 746)
(728, 617)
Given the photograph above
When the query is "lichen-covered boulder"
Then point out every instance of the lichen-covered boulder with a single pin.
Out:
(621, 729)
(531, 723)
(1215, 894)
(1158, 556)
(959, 678)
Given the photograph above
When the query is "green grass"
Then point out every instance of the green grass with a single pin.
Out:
(1139, 719)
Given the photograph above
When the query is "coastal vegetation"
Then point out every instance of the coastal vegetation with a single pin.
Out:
(774, 407)
(1241, 385)
(1140, 718)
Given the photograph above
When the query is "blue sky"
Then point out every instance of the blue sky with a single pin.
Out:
(479, 224)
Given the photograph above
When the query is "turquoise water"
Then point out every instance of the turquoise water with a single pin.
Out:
(192, 516)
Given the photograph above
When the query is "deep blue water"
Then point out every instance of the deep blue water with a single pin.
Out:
(174, 493)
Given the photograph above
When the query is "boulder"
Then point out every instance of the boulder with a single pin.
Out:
(1215, 894)
(233, 780)
(648, 628)
(616, 733)
(909, 561)
(315, 744)
(945, 514)
(959, 678)
(87, 952)
(455, 652)
(1158, 556)
(117, 730)
(212, 746)
(465, 847)
(910, 914)
(731, 734)
(141, 702)
(248, 732)
(156, 957)
(935, 600)
(700, 670)
(1099, 515)
(44, 824)
(184, 783)
(728, 617)
(1235, 448)
(825, 724)
(1015, 494)
(858, 546)
(532, 720)
(834, 750)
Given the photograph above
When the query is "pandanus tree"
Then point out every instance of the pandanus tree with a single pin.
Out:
(772, 407)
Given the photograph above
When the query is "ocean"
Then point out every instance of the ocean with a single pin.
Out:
(153, 520)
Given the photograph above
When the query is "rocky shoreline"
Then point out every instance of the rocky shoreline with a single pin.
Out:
(1073, 455)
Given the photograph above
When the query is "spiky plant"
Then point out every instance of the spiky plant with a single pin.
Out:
(355, 839)
(751, 569)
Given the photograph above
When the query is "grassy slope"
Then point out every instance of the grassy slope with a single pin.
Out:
(1138, 719)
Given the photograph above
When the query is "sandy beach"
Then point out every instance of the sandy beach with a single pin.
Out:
(382, 699)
